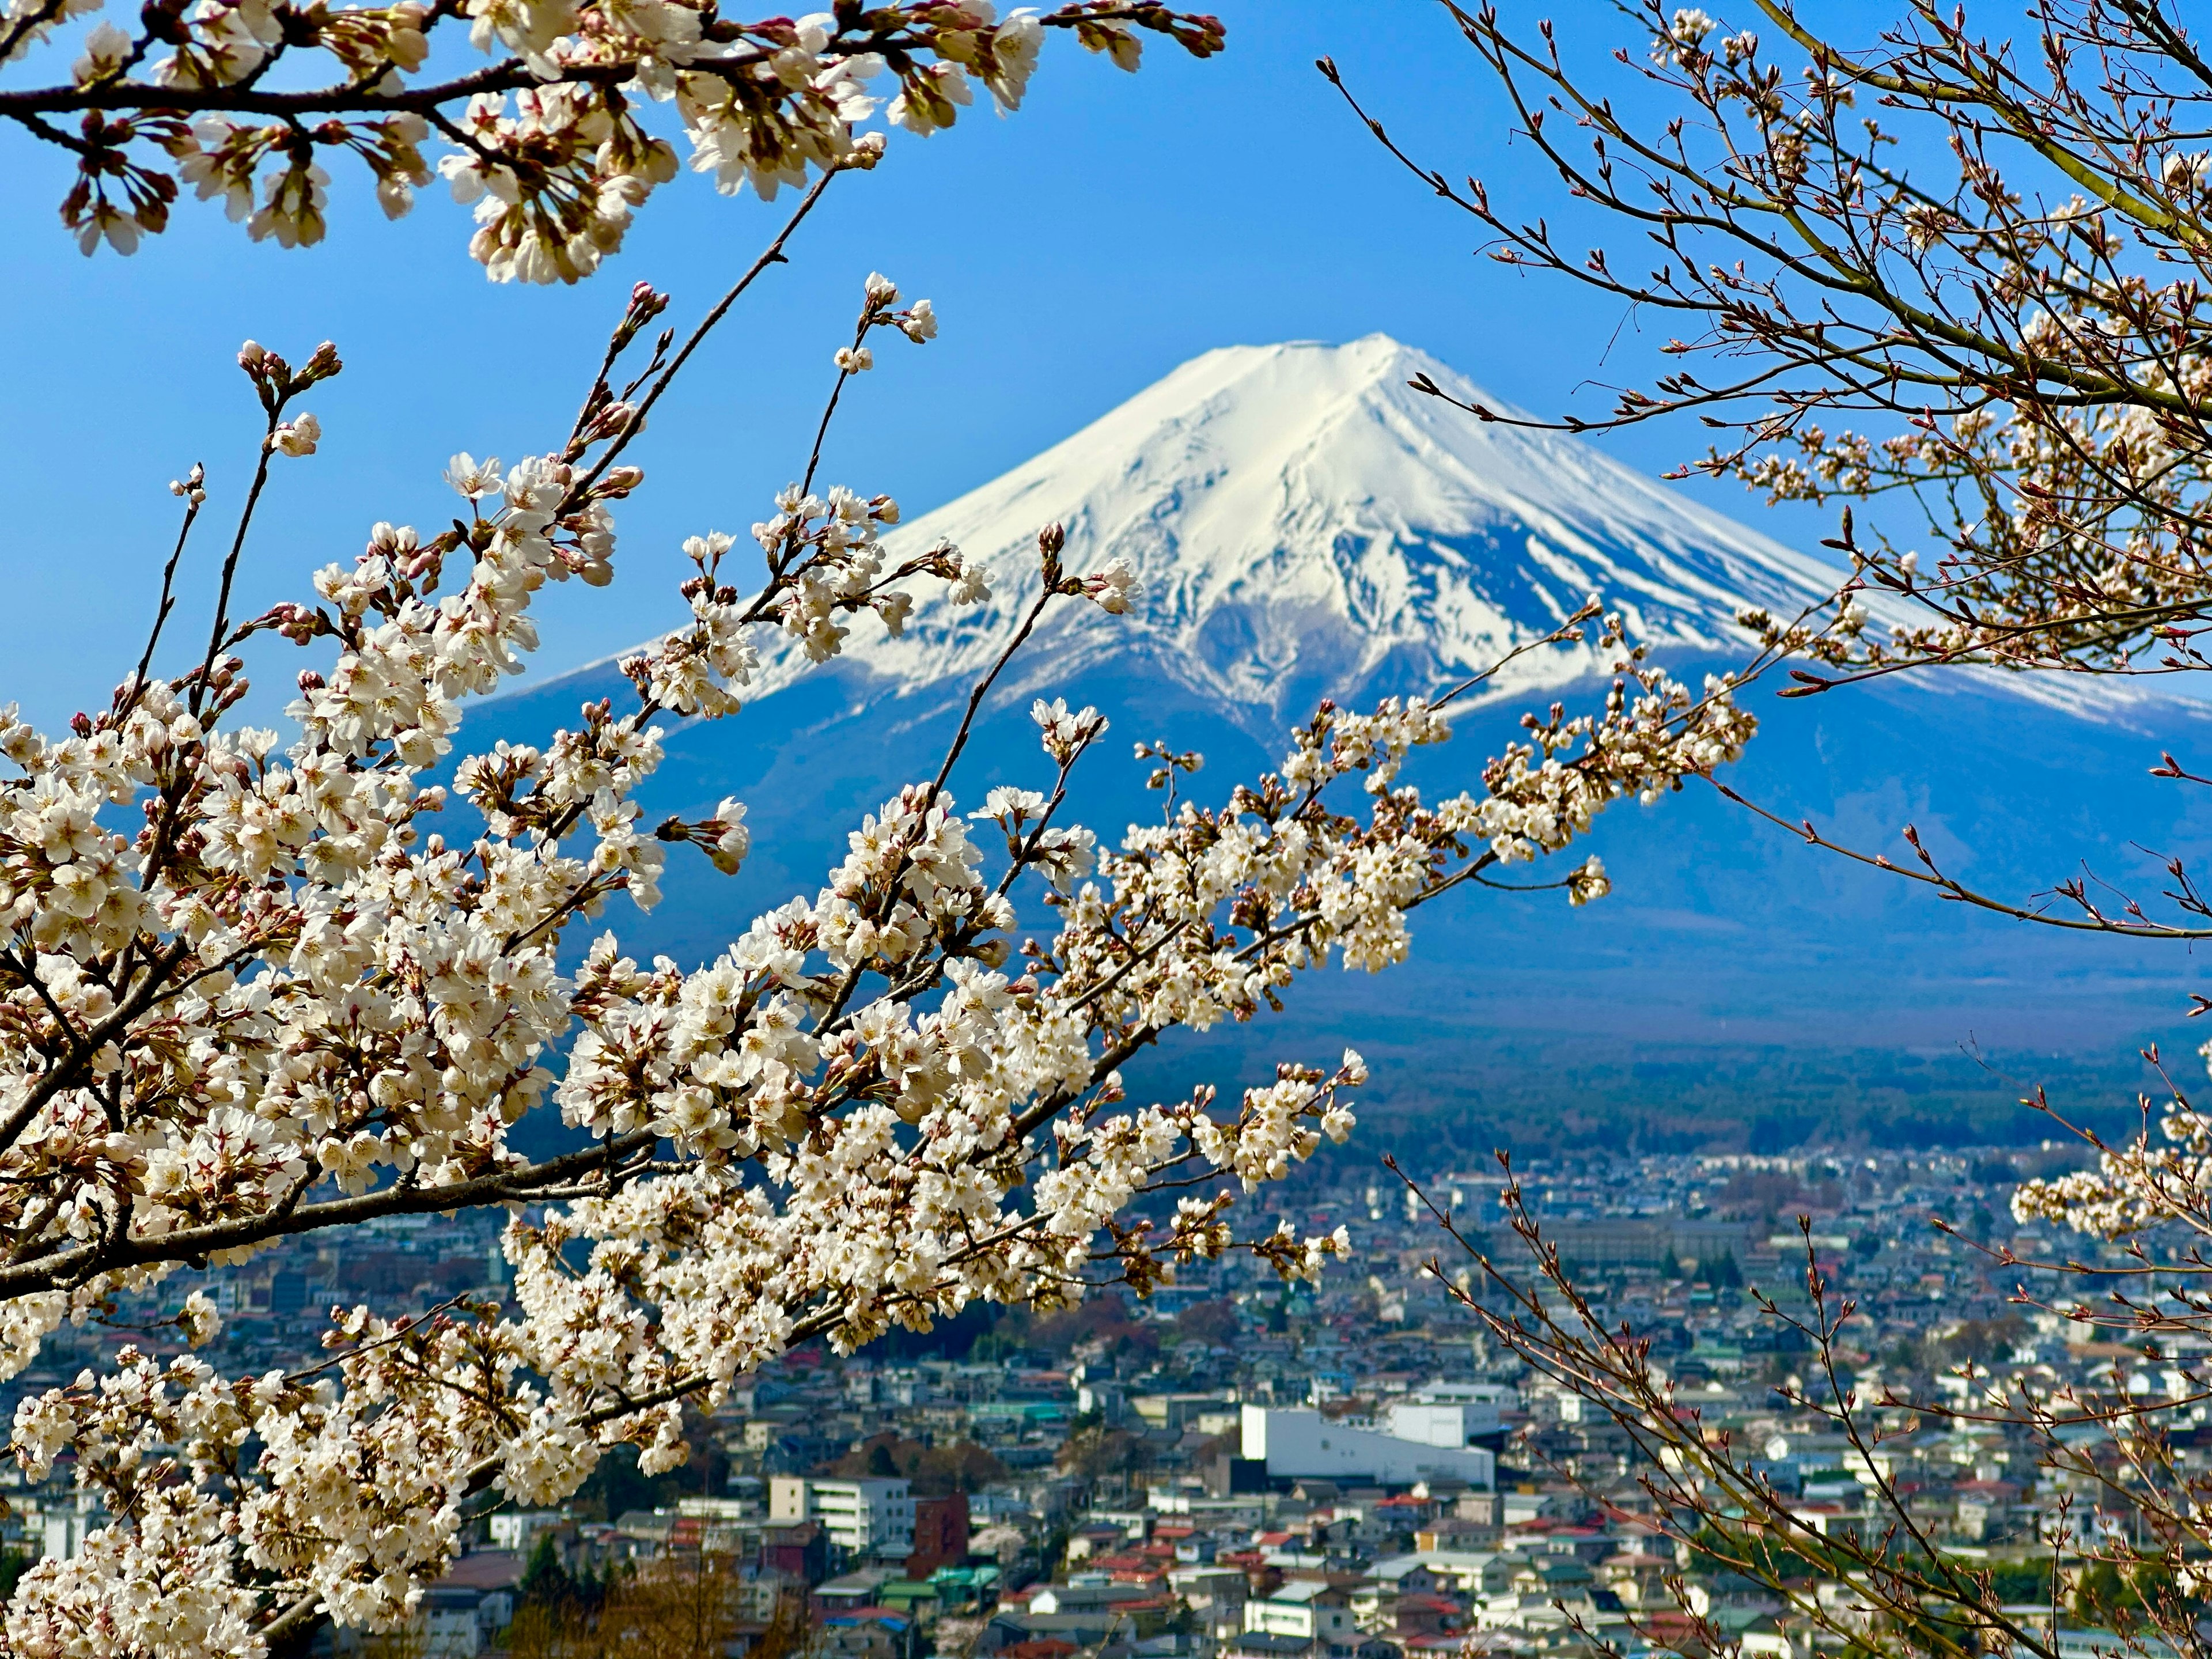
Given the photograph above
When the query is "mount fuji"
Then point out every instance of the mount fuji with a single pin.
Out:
(1305, 523)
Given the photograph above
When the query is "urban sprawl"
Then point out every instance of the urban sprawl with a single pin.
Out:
(1233, 1468)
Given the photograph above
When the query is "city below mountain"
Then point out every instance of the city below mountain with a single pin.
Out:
(1306, 524)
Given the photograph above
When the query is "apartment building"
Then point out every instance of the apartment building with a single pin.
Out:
(867, 1516)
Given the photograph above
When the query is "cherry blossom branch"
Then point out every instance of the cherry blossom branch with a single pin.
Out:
(762, 103)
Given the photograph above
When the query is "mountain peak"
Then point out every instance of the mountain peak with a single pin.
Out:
(1305, 523)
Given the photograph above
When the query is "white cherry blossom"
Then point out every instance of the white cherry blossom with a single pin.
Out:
(553, 126)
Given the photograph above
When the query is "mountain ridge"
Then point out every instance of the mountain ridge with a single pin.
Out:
(1353, 550)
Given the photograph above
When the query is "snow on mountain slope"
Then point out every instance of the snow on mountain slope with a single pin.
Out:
(1299, 513)
(1305, 523)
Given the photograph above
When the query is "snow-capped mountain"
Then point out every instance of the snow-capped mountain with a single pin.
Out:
(1304, 522)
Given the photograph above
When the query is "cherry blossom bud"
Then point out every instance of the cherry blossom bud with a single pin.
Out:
(1115, 588)
(297, 436)
(1588, 882)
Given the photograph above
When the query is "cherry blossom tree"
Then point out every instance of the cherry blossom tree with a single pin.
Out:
(256, 984)
(550, 133)
(1954, 273)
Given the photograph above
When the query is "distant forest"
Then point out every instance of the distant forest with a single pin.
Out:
(1457, 1102)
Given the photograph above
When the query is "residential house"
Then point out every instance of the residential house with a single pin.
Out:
(1313, 1610)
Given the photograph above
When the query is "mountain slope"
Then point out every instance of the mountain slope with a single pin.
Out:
(1306, 525)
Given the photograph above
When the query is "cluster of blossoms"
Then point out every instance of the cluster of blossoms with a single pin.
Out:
(1643, 742)
(2136, 1187)
(315, 987)
(549, 142)
(824, 559)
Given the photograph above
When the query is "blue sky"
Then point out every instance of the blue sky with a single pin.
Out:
(1077, 251)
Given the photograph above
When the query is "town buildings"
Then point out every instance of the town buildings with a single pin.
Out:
(1241, 1469)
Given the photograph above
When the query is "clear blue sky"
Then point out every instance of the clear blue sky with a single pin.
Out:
(1076, 252)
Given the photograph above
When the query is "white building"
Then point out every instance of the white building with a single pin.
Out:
(1305, 1445)
(1087, 1598)
(64, 1533)
(453, 1625)
(457, 1621)
(1307, 1608)
(518, 1530)
(1451, 1413)
(1432, 1425)
(1243, 1513)
(866, 1517)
